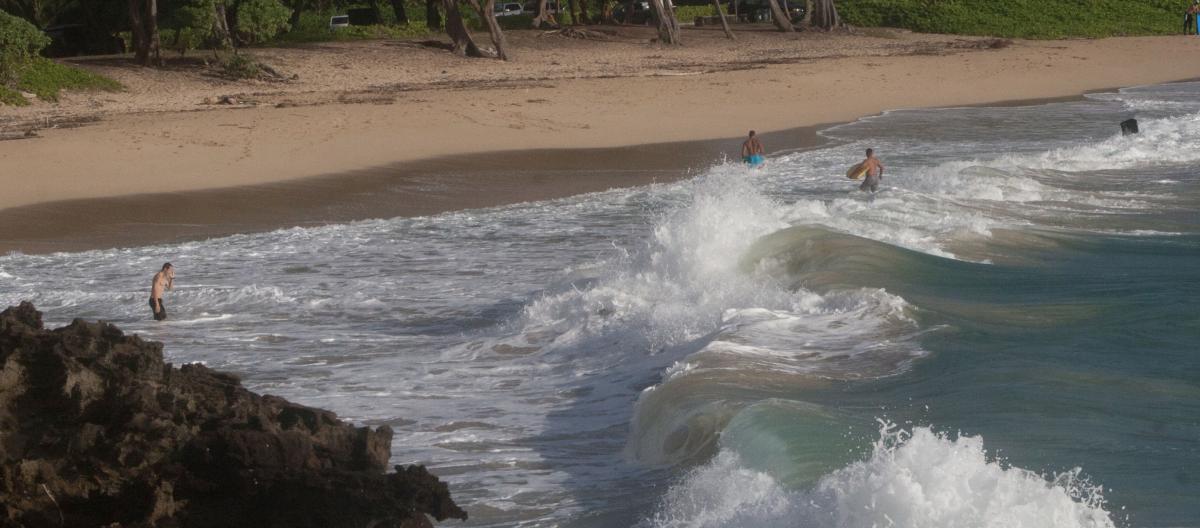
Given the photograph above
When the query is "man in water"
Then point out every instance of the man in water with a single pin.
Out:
(874, 172)
(163, 280)
(752, 151)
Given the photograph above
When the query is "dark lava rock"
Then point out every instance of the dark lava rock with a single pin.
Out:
(95, 430)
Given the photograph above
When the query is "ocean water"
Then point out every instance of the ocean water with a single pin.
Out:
(1006, 334)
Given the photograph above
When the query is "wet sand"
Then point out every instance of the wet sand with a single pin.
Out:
(407, 189)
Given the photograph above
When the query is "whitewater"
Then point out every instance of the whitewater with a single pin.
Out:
(1007, 334)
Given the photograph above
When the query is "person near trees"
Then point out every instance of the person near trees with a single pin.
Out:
(163, 280)
(752, 151)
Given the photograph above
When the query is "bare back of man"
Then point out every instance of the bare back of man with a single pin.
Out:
(874, 172)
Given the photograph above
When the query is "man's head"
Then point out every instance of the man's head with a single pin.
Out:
(870, 152)
(168, 269)
(751, 133)
(167, 266)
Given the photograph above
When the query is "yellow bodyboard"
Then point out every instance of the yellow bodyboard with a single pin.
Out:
(857, 171)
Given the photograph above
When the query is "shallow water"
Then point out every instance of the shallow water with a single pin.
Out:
(1006, 334)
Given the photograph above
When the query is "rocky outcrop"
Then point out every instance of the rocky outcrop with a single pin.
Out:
(96, 430)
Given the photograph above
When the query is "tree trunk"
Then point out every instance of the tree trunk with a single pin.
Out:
(544, 17)
(808, 9)
(433, 19)
(628, 12)
(398, 10)
(780, 17)
(138, 32)
(376, 11)
(155, 45)
(488, 11)
(221, 27)
(825, 15)
(294, 21)
(457, 30)
(143, 21)
(584, 17)
(669, 6)
(724, 23)
(668, 27)
(573, 12)
(606, 9)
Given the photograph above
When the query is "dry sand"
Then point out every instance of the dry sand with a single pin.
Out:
(358, 109)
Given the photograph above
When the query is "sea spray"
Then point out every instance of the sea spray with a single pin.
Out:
(915, 477)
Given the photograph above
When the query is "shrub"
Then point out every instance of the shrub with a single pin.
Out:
(688, 14)
(261, 20)
(1020, 18)
(240, 67)
(20, 41)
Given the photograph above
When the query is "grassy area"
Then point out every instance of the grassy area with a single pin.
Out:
(303, 34)
(688, 14)
(1037, 19)
(46, 78)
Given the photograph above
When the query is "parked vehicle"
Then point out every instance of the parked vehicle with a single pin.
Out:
(339, 21)
(508, 9)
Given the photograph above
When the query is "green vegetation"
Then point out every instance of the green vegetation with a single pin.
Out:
(1038, 19)
(314, 27)
(11, 97)
(45, 78)
(22, 70)
(261, 20)
(688, 13)
(20, 41)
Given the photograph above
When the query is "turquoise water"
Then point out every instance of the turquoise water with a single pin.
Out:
(1007, 334)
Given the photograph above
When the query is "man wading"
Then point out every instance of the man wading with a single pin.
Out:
(163, 280)
(752, 151)
(874, 172)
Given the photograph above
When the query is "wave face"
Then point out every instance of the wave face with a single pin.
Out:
(719, 351)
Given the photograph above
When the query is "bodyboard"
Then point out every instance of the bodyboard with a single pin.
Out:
(857, 171)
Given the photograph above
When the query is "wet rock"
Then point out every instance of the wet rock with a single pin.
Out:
(96, 429)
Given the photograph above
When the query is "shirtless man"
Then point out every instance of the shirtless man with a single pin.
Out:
(163, 280)
(752, 151)
(874, 172)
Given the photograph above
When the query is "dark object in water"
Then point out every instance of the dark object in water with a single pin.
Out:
(1129, 126)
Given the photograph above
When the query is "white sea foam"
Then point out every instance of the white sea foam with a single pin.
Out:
(919, 479)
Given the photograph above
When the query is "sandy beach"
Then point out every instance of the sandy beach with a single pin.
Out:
(369, 115)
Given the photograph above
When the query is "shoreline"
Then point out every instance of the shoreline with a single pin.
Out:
(140, 178)
(406, 189)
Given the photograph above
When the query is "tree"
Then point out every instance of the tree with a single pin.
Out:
(260, 20)
(398, 9)
(825, 15)
(433, 18)
(487, 10)
(143, 20)
(780, 17)
(668, 25)
(460, 37)
(724, 22)
(544, 16)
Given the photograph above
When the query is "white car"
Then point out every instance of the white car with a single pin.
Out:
(339, 21)
(508, 9)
